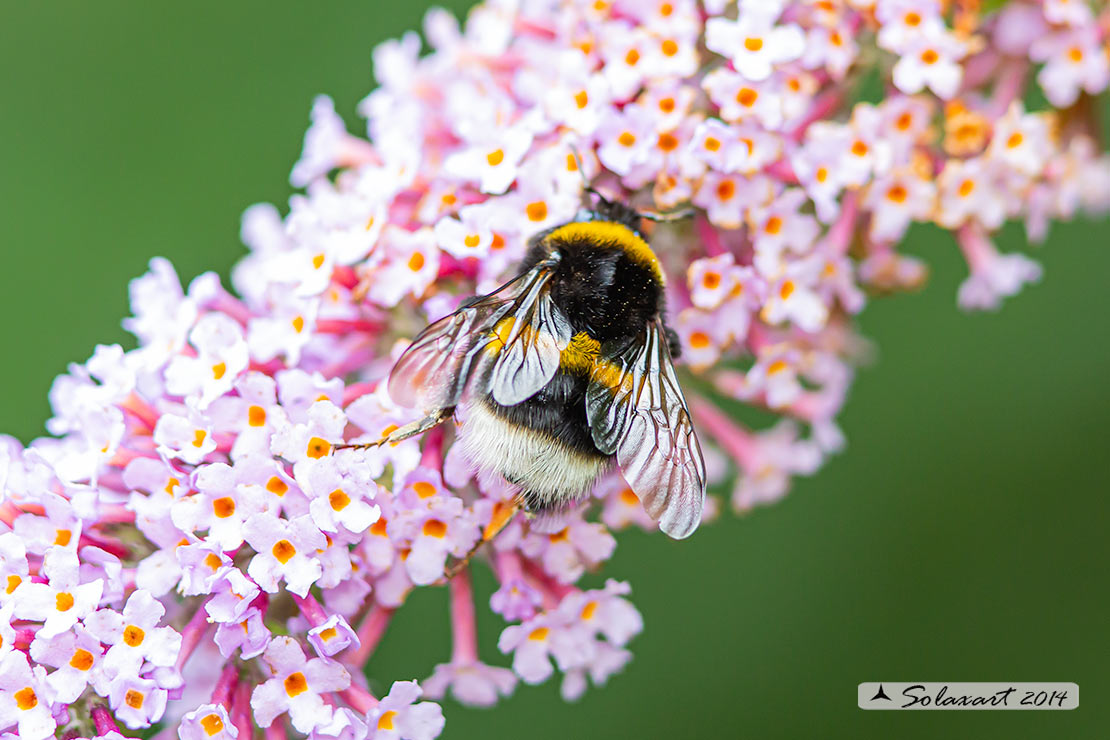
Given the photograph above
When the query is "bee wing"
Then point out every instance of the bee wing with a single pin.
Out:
(530, 347)
(636, 409)
(517, 324)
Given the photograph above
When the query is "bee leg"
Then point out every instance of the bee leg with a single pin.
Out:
(502, 514)
(412, 429)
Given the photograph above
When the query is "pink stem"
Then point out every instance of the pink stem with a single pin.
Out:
(1010, 85)
(241, 710)
(191, 635)
(841, 232)
(120, 551)
(552, 591)
(975, 245)
(782, 170)
(433, 450)
(114, 513)
(276, 731)
(359, 698)
(103, 720)
(370, 632)
(357, 390)
(508, 566)
(347, 326)
(225, 686)
(311, 609)
(824, 105)
(464, 633)
(140, 409)
(709, 236)
(731, 437)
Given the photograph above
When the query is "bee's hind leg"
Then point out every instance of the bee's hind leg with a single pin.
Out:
(503, 512)
(412, 429)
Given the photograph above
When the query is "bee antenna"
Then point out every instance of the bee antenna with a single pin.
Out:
(586, 183)
(668, 217)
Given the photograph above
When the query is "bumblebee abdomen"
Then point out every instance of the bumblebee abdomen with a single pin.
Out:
(544, 449)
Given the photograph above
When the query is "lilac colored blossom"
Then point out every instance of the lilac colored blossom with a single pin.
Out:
(193, 533)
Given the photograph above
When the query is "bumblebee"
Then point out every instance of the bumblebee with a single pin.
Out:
(565, 370)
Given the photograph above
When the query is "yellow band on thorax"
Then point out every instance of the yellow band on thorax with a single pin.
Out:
(609, 231)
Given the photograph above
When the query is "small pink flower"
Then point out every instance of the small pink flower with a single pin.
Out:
(296, 686)
(399, 716)
(207, 722)
(25, 698)
(285, 552)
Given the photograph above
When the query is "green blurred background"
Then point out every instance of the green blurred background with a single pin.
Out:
(961, 537)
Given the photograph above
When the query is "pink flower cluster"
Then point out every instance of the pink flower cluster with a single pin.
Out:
(190, 548)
